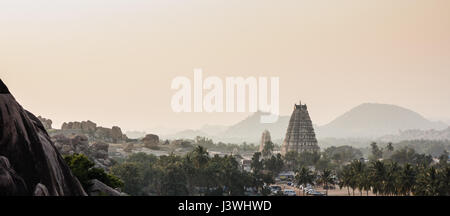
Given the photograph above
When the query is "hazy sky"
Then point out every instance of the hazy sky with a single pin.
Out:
(113, 61)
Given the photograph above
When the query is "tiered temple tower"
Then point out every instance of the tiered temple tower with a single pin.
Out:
(264, 138)
(300, 136)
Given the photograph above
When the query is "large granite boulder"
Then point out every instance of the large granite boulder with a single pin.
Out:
(84, 126)
(103, 134)
(10, 183)
(60, 140)
(69, 145)
(94, 133)
(150, 141)
(128, 147)
(79, 144)
(112, 135)
(88, 126)
(116, 134)
(99, 150)
(98, 188)
(31, 157)
(46, 122)
(40, 190)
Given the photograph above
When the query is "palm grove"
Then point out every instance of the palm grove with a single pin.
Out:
(388, 172)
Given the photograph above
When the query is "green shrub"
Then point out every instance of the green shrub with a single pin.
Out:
(85, 171)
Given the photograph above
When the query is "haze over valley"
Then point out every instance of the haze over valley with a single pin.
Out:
(161, 98)
(366, 121)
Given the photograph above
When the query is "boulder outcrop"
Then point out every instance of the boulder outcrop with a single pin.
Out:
(99, 150)
(10, 183)
(128, 147)
(86, 126)
(28, 156)
(69, 145)
(150, 141)
(40, 190)
(93, 132)
(79, 144)
(46, 122)
(98, 188)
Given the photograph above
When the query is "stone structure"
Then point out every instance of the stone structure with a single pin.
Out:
(264, 139)
(300, 136)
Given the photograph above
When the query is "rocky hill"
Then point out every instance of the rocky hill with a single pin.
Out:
(250, 129)
(375, 120)
(92, 131)
(29, 162)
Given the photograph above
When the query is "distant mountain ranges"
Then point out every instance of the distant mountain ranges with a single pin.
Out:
(376, 120)
(247, 130)
(366, 121)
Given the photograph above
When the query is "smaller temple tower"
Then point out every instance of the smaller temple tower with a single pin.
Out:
(264, 138)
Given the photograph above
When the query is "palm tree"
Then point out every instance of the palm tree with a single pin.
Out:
(326, 178)
(365, 181)
(359, 177)
(200, 156)
(391, 186)
(257, 165)
(345, 177)
(268, 149)
(357, 169)
(377, 153)
(304, 176)
(389, 147)
(377, 174)
(428, 182)
(407, 178)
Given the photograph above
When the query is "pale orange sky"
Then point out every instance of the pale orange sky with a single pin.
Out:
(113, 61)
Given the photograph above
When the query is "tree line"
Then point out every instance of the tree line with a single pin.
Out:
(195, 173)
(389, 172)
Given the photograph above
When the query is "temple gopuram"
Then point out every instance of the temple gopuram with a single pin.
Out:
(300, 136)
(264, 139)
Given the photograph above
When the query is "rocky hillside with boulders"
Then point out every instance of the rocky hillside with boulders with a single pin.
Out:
(85, 138)
(47, 123)
(29, 162)
(79, 144)
(92, 131)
